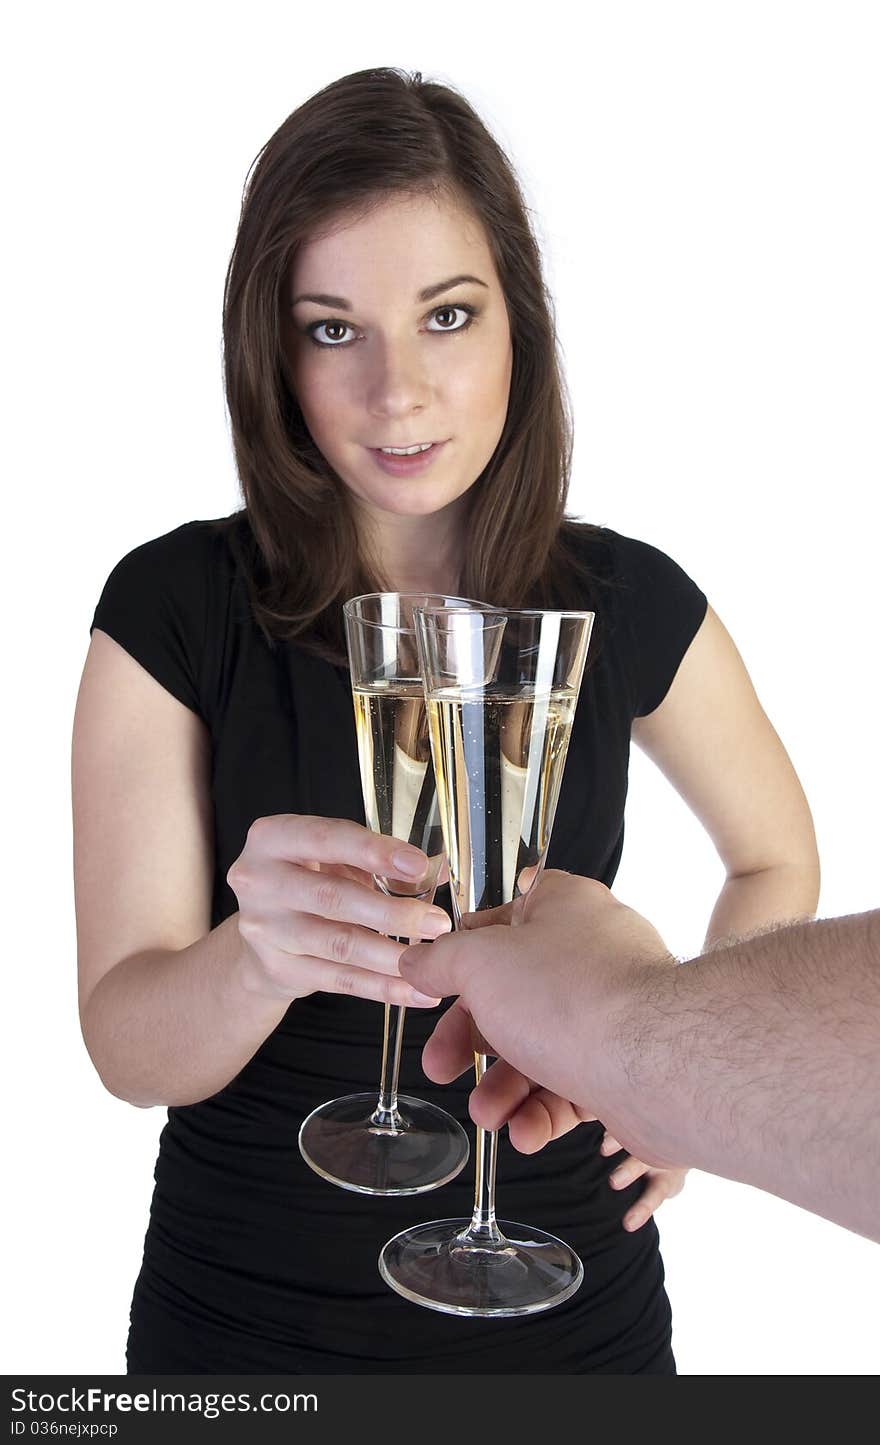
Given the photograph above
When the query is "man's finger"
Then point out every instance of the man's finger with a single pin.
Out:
(556, 889)
(445, 970)
(543, 1116)
(449, 1050)
(417, 964)
(501, 1091)
(531, 1127)
(486, 918)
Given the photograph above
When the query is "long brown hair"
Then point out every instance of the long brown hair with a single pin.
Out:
(372, 134)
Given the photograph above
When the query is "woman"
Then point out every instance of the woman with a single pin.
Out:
(231, 967)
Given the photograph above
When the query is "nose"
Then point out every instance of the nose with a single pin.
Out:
(399, 385)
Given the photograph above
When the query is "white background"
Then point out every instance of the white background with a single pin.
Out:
(704, 182)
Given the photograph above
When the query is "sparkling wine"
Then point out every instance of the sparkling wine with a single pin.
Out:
(499, 759)
(400, 797)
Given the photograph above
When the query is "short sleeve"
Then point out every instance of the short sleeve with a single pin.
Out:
(155, 605)
(665, 609)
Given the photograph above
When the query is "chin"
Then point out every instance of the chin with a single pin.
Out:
(408, 500)
(419, 506)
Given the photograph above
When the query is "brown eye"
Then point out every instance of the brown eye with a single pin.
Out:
(452, 318)
(334, 333)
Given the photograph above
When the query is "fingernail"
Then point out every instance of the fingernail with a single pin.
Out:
(410, 862)
(615, 1181)
(435, 923)
(634, 1221)
(421, 1000)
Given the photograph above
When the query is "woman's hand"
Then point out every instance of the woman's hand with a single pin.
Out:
(660, 1184)
(311, 918)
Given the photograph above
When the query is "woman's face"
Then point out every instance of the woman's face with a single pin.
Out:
(396, 334)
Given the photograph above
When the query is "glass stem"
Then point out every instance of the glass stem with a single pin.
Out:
(386, 1114)
(482, 1229)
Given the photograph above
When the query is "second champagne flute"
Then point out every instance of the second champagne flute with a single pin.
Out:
(502, 688)
(382, 1143)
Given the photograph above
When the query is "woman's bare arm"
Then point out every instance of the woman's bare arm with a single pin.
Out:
(714, 742)
(170, 1009)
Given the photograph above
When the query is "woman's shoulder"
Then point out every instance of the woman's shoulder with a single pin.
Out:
(191, 545)
(180, 566)
(167, 603)
(183, 574)
(628, 564)
(648, 607)
(660, 608)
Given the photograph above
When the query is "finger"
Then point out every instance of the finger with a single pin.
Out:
(627, 1173)
(528, 877)
(610, 1145)
(500, 1093)
(345, 870)
(357, 875)
(543, 1117)
(448, 1051)
(535, 1115)
(655, 1194)
(555, 890)
(486, 918)
(530, 1128)
(331, 896)
(418, 964)
(299, 839)
(443, 968)
(346, 943)
(359, 983)
(423, 889)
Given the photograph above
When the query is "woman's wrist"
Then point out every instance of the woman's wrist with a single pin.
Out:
(246, 980)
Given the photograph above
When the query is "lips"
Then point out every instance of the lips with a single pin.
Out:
(403, 466)
(405, 448)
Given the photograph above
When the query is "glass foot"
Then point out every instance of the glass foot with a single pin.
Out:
(526, 1271)
(342, 1143)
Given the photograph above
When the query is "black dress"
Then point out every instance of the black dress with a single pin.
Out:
(252, 1263)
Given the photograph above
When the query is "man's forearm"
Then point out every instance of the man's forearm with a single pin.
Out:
(760, 1062)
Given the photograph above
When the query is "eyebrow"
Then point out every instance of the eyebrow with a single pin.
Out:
(428, 294)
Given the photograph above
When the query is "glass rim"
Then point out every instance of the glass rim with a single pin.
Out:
(469, 605)
(504, 612)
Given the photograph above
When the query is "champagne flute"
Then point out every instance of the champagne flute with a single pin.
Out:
(501, 690)
(390, 1144)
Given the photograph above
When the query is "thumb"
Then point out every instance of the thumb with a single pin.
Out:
(459, 962)
(433, 973)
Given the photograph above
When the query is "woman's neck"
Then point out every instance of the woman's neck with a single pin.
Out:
(417, 554)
